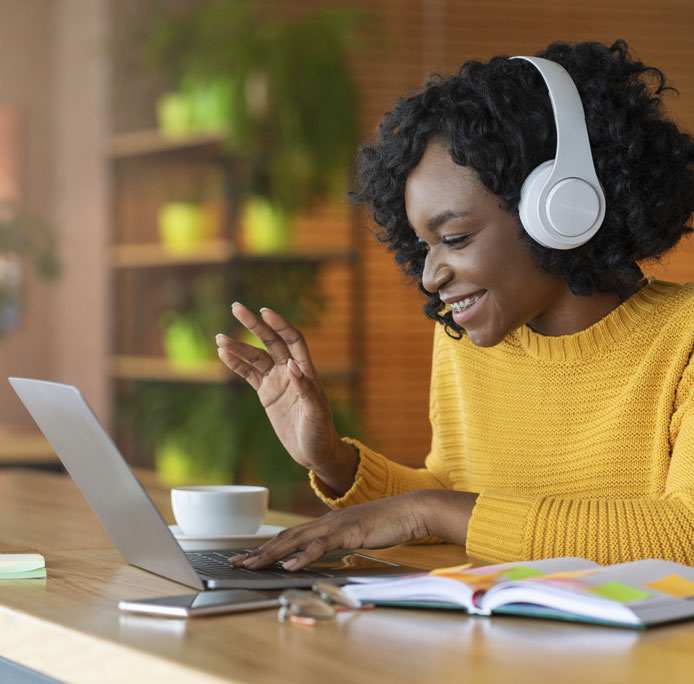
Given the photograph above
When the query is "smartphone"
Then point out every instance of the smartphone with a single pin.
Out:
(204, 603)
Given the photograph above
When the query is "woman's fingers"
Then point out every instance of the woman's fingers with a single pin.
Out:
(293, 339)
(305, 387)
(282, 340)
(312, 540)
(257, 358)
(273, 342)
(241, 367)
(311, 553)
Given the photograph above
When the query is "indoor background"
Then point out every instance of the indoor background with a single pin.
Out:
(113, 136)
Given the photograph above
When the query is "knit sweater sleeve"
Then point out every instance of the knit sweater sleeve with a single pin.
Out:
(507, 527)
(378, 477)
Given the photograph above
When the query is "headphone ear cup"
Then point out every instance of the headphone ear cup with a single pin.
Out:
(528, 207)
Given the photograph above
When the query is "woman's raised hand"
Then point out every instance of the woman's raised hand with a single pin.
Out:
(291, 393)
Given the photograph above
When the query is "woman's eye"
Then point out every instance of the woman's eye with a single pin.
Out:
(452, 240)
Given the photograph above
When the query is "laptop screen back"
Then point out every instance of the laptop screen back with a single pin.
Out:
(104, 478)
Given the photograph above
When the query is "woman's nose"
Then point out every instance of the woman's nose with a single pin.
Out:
(436, 272)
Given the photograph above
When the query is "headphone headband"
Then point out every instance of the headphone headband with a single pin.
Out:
(563, 206)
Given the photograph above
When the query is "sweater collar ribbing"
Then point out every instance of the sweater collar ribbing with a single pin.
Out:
(601, 335)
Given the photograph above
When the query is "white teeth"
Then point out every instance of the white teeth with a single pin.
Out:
(457, 307)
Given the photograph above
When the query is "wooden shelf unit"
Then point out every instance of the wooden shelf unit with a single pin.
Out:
(139, 143)
(145, 255)
(162, 369)
(149, 170)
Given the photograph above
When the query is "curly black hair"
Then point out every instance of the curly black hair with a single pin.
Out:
(497, 119)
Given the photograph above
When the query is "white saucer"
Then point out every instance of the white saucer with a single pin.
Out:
(235, 541)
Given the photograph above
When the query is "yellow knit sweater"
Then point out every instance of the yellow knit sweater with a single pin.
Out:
(579, 445)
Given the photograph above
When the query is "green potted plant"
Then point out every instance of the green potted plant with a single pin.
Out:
(284, 94)
(192, 318)
(190, 211)
(182, 226)
(219, 432)
(23, 238)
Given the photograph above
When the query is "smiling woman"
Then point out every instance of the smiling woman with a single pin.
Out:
(562, 393)
(477, 262)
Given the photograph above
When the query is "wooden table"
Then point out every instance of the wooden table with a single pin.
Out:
(69, 626)
(28, 448)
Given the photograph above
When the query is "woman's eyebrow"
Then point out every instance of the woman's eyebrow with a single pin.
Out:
(439, 219)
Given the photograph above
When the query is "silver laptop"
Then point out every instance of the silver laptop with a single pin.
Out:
(134, 523)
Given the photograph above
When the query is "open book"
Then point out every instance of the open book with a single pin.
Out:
(636, 594)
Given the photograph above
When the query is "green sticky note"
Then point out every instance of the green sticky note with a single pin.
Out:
(39, 573)
(519, 572)
(619, 592)
(22, 566)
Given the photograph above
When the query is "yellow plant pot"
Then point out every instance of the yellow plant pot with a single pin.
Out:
(174, 115)
(182, 226)
(264, 227)
(185, 346)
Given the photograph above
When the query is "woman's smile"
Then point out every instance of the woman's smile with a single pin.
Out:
(464, 308)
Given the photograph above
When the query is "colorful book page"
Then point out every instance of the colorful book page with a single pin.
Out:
(477, 581)
(520, 572)
(450, 571)
(566, 582)
(572, 573)
(494, 570)
(619, 592)
(673, 585)
(480, 578)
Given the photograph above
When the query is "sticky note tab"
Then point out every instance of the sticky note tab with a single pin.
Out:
(573, 573)
(494, 570)
(450, 571)
(477, 581)
(520, 572)
(673, 585)
(564, 582)
(619, 592)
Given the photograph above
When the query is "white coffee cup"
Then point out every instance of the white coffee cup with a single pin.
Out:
(219, 510)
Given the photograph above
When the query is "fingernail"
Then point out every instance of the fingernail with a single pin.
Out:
(264, 308)
(219, 350)
(290, 564)
(294, 368)
(233, 304)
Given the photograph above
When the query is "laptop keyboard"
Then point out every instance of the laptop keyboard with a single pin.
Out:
(214, 564)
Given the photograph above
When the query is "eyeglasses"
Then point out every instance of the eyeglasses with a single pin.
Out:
(321, 603)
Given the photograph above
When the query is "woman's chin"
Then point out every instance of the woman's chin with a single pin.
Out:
(484, 338)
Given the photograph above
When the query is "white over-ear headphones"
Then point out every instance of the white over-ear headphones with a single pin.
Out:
(562, 203)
